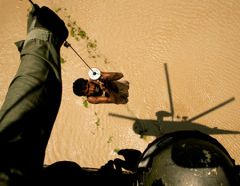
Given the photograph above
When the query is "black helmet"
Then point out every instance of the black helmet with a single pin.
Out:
(186, 158)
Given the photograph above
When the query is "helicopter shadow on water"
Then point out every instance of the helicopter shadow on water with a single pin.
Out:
(160, 126)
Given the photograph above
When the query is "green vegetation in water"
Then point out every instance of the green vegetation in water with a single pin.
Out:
(97, 122)
(110, 139)
(85, 103)
(92, 45)
(76, 32)
(57, 10)
(116, 150)
(144, 137)
(80, 34)
(62, 60)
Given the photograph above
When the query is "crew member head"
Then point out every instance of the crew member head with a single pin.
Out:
(186, 158)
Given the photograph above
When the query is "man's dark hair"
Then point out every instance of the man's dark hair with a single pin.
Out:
(79, 86)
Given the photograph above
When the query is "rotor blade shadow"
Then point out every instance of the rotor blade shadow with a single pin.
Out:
(212, 109)
(169, 90)
(158, 128)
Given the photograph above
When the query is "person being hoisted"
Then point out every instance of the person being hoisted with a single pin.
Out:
(107, 89)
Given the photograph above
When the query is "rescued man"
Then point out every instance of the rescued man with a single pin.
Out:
(107, 89)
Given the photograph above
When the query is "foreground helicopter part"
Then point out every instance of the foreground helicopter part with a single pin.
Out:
(186, 158)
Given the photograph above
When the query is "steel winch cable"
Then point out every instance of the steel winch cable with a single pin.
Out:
(67, 44)
(94, 73)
